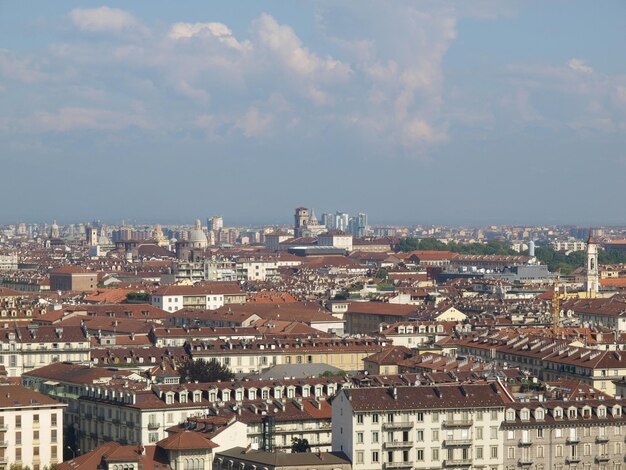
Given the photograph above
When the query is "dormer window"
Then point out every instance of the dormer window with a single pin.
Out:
(525, 415)
(539, 414)
(558, 413)
(617, 410)
(510, 415)
(601, 411)
(571, 413)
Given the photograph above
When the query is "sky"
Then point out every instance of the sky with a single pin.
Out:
(416, 112)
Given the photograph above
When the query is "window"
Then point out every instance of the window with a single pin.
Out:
(493, 432)
(420, 416)
(153, 437)
(359, 457)
(540, 433)
(479, 415)
(479, 453)
(435, 435)
(35, 419)
(511, 452)
(18, 421)
(359, 438)
(479, 433)
(375, 436)
(18, 438)
(359, 418)
(375, 456)
(374, 418)
(420, 455)
(435, 454)
(494, 452)
(435, 417)
(420, 436)
(559, 451)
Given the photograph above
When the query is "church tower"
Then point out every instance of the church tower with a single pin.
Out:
(592, 267)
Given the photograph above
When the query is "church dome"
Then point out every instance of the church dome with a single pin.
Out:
(197, 238)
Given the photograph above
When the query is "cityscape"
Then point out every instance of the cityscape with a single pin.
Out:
(312, 235)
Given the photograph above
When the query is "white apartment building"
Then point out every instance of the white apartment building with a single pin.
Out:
(24, 348)
(31, 428)
(421, 427)
(207, 296)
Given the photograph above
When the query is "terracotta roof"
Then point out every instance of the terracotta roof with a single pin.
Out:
(186, 440)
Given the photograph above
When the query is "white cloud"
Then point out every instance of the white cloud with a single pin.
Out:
(578, 65)
(254, 123)
(284, 44)
(419, 131)
(216, 30)
(17, 68)
(103, 19)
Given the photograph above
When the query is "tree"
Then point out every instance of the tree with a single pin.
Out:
(203, 371)
(299, 445)
(382, 273)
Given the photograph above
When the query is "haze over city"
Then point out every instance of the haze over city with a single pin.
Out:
(415, 112)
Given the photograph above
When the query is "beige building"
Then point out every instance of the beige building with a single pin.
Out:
(558, 434)
(421, 427)
(73, 278)
(31, 428)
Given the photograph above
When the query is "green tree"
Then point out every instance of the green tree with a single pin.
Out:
(382, 273)
(203, 371)
(299, 445)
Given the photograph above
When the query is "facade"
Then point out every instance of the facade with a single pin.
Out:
(73, 278)
(31, 428)
(24, 348)
(209, 296)
(417, 427)
(557, 434)
(248, 459)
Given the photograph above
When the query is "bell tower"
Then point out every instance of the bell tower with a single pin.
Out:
(593, 277)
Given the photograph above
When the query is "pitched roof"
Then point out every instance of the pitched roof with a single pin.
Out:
(186, 440)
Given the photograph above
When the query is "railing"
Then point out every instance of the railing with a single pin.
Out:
(573, 440)
(602, 458)
(602, 439)
(4, 427)
(398, 444)
(457, 463)
(4, 443)
(391, 465)
(572, 459)
(398, 425)
(458, 423)
(457, 442)
(130, 424)
(525, 462)
(525, 442)
(153, 426)
(116, 421)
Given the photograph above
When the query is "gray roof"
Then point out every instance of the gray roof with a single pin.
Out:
(282, 459)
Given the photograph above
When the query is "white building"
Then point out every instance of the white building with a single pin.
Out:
(208, 296)
(31, 428)
(336, 239)
(415, 427)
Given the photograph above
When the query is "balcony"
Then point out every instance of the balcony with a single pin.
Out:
(100, 418)
(457, 442)
(4, 459)
(602, 458)
(525, 462)
(4, 443)
(154, 426)
(572, 459)
(4, 427)
(573, 440)
(116, 421)
(525, 443)
(88, 415)
(458, 423)
(398, 445)
(457, 463)
(130, 424)
(602, 439)
(391, 465)
(398, 425)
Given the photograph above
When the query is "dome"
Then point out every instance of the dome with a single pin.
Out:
(197, 238)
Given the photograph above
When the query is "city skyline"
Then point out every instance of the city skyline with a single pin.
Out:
(433, 111)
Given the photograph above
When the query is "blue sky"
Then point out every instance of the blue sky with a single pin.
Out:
(415, 112)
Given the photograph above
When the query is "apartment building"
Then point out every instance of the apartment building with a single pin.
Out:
(561, 434)
(31, 428)
(254, 356)
(209, 295)
(24, 348)
(549, 359)
(448, 426)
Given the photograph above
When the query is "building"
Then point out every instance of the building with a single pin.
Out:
(336, 239)
(73, 278)
(8, 262)
(31, 428)
(593, 277)
(249, 459)
(407, 427)
(301, 221)
(209, 295)
(558, 434)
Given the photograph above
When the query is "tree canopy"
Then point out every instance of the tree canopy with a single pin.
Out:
(203, 371)
(299, 445)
